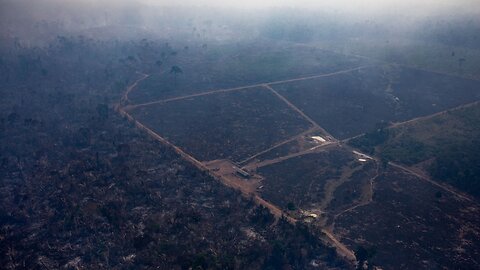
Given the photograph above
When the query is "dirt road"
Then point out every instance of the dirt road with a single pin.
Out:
(426, 117)
(131, 87)
(293, 107)
(275, 210)
(123, 109)
(278, 145)
(255, 165)
(341, 248)
(245, 87)
(428, 179)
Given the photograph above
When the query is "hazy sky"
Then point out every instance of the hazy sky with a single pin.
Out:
(357, 6)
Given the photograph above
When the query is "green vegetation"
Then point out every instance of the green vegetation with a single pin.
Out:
(459, 166)
(354, 103)
(407, 150)
(370, 140)
(291, 206)
(364, 255)
(446, 146)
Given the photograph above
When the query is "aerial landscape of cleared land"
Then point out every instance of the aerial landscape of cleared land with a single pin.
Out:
(233, 66)
(289, 144)
(141, 134)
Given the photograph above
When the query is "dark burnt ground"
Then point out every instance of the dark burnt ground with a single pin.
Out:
(350, 104)
(233, 125)
(414, 225)
(313, 181)
(228, 66)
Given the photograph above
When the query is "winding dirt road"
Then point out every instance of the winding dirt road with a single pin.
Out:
(125, 98)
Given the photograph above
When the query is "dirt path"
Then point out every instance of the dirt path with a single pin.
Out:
(342, 250)
(193, 95)
(385, 62)
(159, 138)
(300, 112)
(278, 145)
(429, 180)
(125, 98)
(226, 90)
(276, 211)
(435, 114)
(420, 174)
(366, 200)
(319, 76)
(420, 118)
(332, 185)
(255, 165)
(352, 138)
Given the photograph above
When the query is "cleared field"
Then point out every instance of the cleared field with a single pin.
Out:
(311, 182)
(412, 224)
(233, 66)
(233, 125)
(354, 191)
(304, 142)
(446, 146)
(365, 202)
(351, 104)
